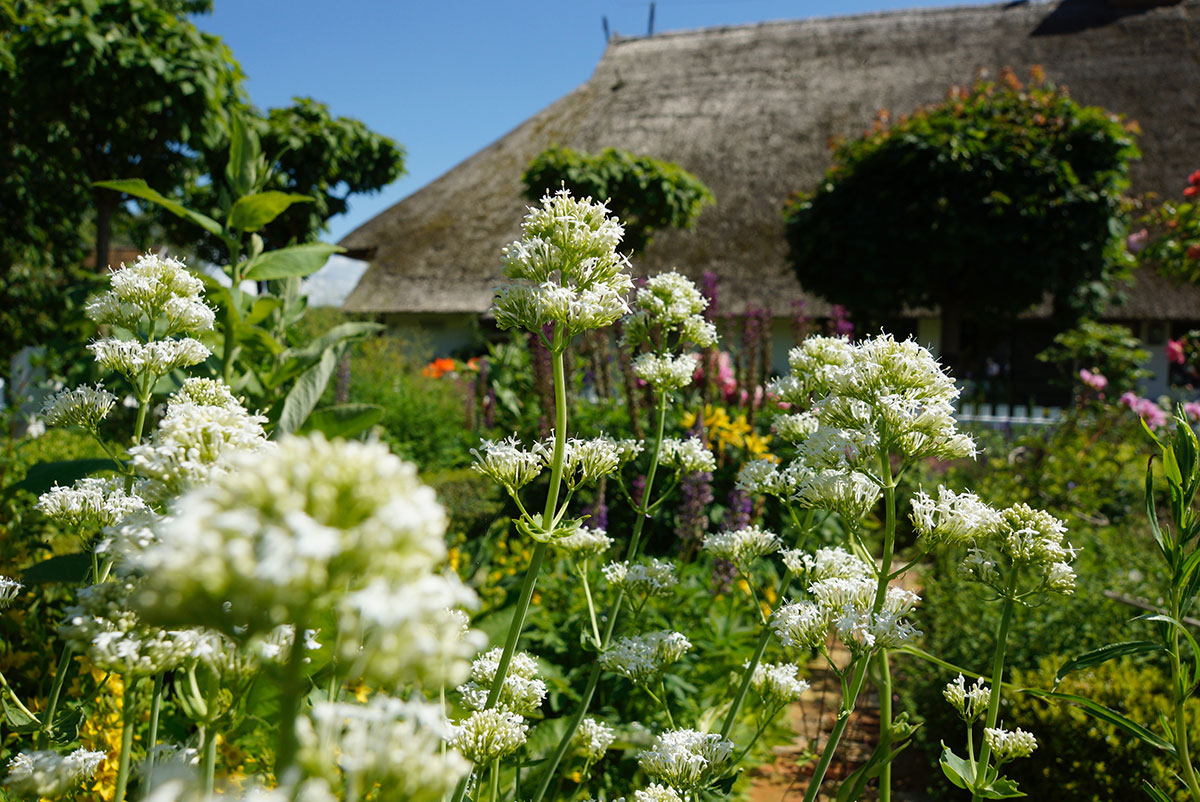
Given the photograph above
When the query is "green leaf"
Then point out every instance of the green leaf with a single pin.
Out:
(1152, 791)
(261, 309)
(1000, 788)
(243, 157)
(62, 569)
(306, 392)
(45, 475)
(17, 719)
(140, 189)
(343, 420)
(1152, 512)
(252, 212)
(1104, 654)
(958, 770)
(295, 260)
(1191, 640)
(296, 360)
(1099, 711)
(854, 785)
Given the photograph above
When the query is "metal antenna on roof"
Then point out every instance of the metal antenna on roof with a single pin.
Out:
(604, 23)
(650, 27)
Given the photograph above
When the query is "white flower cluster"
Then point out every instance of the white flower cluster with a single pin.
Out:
(1028, 540)
(796, 427)
(133, 359)
(585, 461)
(643, 579)
(686, 759)
(827, 563)
(567, 269)
(387, 742)
(584, 543)
(671, 303)
(686, 456)
(522, 691)
(186, 789)
(850, 494)
(777, 684)
(506, 463)
(202, 430)
(150, 289)
(655, 792)
(102, 625)
(665, 372)
(82, 406)
(307, 525)
(90, 502)
(236, 662)
(9, 588)
(592, 739)
(1006, 745)
(743, 546)
(813, 365)
(764, 477)
(972, 701)
(643, 657)
(952, 518)
(488, 735)
(49, 774)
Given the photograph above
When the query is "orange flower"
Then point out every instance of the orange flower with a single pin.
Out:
(439, 367)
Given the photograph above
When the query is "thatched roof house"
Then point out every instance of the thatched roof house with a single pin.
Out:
(750, 110)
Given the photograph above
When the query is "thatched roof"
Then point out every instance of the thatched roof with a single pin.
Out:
(750, 110)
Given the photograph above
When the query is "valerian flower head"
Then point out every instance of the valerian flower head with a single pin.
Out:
(1009, 745)
(801, 625)
(686, 759)
(686, 456)
(971, 701)
(488, 735)
(777, 684)
(952, 518)
(666, 373)
(387, 742)
(1028, 540)
(795, 427)
(813, 365)
(90, 502)
(743, 546)
(506, 463)
(670, 303)
(205, 392)
(102, 626)
(9, 588)
(827, 563)
(643, 579)
(654, 792)
(643, 657)
(285, 529)
(864, 631)
(567, 269)
(585, 461)
(82, 406)
(49, 774)
(850, 494)
(133, 359)
(522, 691)
(150, 289)
(584, 543)
(592, 739)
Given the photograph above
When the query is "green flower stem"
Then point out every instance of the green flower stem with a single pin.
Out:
(587, 592)
(152, 740)
(993, 713)
(850, 699)
(291, 698)
(1178, 690)
(614, 612)
(765, 635)
(11, 695)
(885, 721)
(209, 770)
(127, 724)
(64, 664)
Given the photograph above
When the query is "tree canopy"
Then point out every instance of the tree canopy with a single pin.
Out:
(645, 193)
(978, 205)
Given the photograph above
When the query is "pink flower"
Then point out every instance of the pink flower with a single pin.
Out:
(1192, 410)
(1146, 409)
(1129, 399)
(1175, 352)
(1096, 381)
(1137, 241)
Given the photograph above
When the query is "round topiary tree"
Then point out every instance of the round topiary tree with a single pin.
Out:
(979, 206)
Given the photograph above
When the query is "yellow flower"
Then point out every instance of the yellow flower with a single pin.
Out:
(757, 445)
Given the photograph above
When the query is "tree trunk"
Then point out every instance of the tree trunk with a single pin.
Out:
(106, 205)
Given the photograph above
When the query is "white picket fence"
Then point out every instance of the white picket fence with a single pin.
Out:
(1003, 416)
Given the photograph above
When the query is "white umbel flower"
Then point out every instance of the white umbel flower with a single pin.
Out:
(49, 774)
(643, 657)
(777, 684)
(801, 625)
(592, 739)
(1009, 745)
(90, 502)
(827, 563)
(686, 456)
(82, 406)
(584, 543)
(506, 463)
(9, 588)
(654, 578)
(743, 546)
(488, 735)
(952, 518)
(133, 359)
(670, 304)
(153, 288)
(585, 461)
(655, 792)
(850, 494)
(665, 372)
(522, 691)
(686, 759)
(971, 701)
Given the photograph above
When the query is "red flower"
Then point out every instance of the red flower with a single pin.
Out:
(1191, 191)
(1194, 178)
(1193, 251)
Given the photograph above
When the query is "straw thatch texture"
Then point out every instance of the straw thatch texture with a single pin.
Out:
(750, 110)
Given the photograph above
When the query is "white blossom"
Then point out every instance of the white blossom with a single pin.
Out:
(643, 657)
(850, 494)
(796, 427)
(9, 588)
(665, 372)
(506, 463)
(827, 563)
(82, 406)
(1009, 745)
(952, 518)
(132, 359)
(777, 684)
(743, 546)
(801, 625)
(49, 774)
(584, 543)
(686, 759)
(972, 701)
(686, 456)
(488, 735)
(592, 739)
(90, 502)
(522, 691)
(150, 289)
(654, 792)
(651, 578)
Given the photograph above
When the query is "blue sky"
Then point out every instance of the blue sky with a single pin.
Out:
(445, 78)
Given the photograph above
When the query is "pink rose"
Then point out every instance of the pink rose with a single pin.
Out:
(1096, 381)
(1175, 352)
